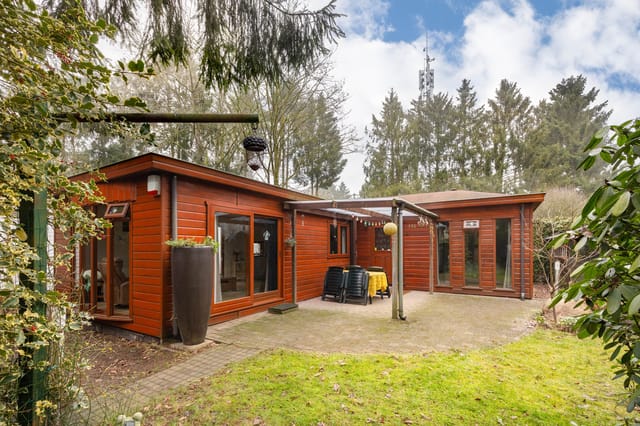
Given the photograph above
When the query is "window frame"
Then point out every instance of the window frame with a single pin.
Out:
(445, 225)
(509, 255)
(90, 260)
(117, 214)
(342, 240)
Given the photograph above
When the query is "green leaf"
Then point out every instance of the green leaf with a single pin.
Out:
(634, 306)
(621, 205)
(635, 264)
(10, 302)
(613, 301)
(581, 244)
(559, 241)
(145, 129)
(21, 234)
(587, 163)
(94, 38)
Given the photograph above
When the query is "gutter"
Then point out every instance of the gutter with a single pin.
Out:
(174, 235)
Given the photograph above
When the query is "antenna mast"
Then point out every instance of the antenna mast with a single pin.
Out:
(426, 75)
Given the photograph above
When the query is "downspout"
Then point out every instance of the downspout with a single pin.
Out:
(353, 253)
(294, 274)
(174, 235)
(432, 255)
(521, 251)
(400, 265)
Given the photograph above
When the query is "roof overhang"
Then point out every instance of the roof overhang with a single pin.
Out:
(359, 209)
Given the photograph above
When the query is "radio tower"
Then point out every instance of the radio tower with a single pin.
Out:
(425, 75)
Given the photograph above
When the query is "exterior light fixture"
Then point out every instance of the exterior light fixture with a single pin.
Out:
(390, 228)
(254, 146)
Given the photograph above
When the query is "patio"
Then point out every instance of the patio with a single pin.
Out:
(435, 322)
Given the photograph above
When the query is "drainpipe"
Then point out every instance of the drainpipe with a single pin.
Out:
(294, 279)
(521, 251)
(400, 266)
(432, 255)
(174, 235)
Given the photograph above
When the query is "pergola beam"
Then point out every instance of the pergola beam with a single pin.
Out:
(159, 117)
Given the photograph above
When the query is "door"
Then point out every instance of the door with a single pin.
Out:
(382, 251)
(265, 255)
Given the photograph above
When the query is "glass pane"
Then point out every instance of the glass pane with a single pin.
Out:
(265, 255)
(382, 241)
(86, 274)
(333, 239)
(503, 253)
(443, 252)
(99, 288)
(343, 240)
(120, 268)
(471, 258)
(232, 263)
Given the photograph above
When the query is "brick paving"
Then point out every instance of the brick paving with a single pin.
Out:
(204, 364)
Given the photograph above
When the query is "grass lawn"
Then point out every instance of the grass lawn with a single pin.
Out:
(546, 378)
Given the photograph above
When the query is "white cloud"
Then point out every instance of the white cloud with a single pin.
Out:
(502, 39)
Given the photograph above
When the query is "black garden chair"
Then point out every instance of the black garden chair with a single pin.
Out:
(357, 285)
(334, 280)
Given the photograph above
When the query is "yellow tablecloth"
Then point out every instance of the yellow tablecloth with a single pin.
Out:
(377, 281)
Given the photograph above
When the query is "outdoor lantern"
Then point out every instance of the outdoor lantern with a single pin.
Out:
(390, 228)
(154, 184)
(254, 145)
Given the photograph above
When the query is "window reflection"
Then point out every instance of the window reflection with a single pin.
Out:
(232, 261)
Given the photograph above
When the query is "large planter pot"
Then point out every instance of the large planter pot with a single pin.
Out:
(192, 279)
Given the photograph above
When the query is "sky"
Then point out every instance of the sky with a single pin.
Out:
(534, 43)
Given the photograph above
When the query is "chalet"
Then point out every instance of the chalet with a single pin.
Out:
(276, 244)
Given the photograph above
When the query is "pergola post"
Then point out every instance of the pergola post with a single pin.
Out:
(394, 266)
(33, 218)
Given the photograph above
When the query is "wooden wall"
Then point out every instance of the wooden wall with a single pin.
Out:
(487, 215)
(420, 266)
(312, 254)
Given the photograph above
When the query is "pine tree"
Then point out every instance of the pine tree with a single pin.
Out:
(319, 159)
(470, 128)
(563, 124)
(510, 117)
(432, 138)
(242, 40)
(391, 166)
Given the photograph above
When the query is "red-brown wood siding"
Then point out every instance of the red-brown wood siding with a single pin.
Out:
(487, 216)
(417, 255)
(312, 254)
(198, 203)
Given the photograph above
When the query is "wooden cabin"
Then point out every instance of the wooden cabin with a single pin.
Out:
(276, 244)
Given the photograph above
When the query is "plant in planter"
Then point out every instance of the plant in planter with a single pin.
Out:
(192, 281)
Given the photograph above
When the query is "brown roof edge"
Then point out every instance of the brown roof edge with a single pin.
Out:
(358, 204)
(152, 162)
(535, 198)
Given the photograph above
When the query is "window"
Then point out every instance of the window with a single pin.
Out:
(338, 239)
(116, 210)
(503, 253)
(246, 263)
(105, 266)
(382, 241)
(265, 262)
(443, 253)
(232, 260)
(471, 258)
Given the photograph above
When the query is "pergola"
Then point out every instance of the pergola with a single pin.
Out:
(388, 209)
